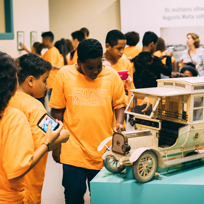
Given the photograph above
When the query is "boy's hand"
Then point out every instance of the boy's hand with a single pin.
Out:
(51, 136)
(118, 127)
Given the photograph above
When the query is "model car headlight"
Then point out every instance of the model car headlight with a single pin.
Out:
(126, 147)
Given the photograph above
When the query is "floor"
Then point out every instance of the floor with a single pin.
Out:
(52, 189)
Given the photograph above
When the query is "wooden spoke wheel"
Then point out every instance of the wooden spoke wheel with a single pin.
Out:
(112, 164)
(145, 167)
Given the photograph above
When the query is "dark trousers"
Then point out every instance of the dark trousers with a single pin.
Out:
(74, 182)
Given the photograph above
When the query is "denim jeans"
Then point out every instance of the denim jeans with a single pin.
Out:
(74, 183)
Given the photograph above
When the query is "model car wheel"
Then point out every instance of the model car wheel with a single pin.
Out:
(112, 164)
(145, 167)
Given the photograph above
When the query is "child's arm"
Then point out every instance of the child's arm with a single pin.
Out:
(58, 114)
(120, 117)
(23, 47)
(39, 153)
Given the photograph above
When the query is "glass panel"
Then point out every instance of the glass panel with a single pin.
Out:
(176, 98)
(185, 98)
(138, 105)
(2, 17)
(198, 114)
(198, 102)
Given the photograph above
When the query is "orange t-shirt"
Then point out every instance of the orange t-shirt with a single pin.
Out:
(16, 152)
(159, 54)
(132, 51)
(74, 59)
(123, 65)
(55, 58)
(89, 113)
(33, 110)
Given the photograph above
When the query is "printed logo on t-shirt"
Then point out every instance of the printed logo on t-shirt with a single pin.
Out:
(89, 97)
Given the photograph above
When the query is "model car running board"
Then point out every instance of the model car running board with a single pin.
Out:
(183, 160)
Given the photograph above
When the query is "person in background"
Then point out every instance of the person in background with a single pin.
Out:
(148, 67)
(62, 47)
(32, 74)
(86, 96)
(35, 49)
(77, 37)
(132, 50)
(86, 32)
(189, 70)
(115, 44)
(160, 52)
(18, 154)
(193, 54)
(53, 56)
(69, 46)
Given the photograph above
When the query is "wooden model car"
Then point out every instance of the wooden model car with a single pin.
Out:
(173, 127)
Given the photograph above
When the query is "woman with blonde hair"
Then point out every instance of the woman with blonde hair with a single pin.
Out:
(194, 53)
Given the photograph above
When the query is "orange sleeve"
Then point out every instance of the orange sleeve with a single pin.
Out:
(119, 99)
(18, 150)
(50, 57)
(57, 99)
(130, 69)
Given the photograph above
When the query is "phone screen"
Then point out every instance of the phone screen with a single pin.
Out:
(43, 124)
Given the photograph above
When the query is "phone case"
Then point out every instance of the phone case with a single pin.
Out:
(123, 74)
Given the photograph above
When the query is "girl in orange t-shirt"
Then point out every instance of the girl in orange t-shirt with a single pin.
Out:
(17, 155)
(35, 49)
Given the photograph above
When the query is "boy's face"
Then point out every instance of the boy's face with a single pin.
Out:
(117, 50)
(45, 42)
(75, 43)
(91, 67)
(39, 86)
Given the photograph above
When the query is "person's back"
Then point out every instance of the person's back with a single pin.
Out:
(148, 68)
(132, 50)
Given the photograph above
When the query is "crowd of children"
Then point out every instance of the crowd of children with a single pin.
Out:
(85, 92)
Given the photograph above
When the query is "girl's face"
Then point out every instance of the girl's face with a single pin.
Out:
(190, 41)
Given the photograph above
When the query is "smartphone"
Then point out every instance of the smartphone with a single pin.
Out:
(45, 120)
(123, 74)
(169, 49)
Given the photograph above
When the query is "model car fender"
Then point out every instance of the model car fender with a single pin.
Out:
(103, 143)
(136, 154)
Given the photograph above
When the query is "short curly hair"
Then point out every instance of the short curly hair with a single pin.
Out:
(31, 64)
(113, 36)
(8, 80)
(89, 49)
(195, 38)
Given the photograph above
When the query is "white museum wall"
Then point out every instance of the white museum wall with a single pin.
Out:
(29, 15)
(99, 17)
(149, 15)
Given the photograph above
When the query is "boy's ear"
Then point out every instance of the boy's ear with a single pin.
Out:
(107, 46)
(30, 80)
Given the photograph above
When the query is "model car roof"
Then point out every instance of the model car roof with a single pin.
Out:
(161, 91)
(187, 80)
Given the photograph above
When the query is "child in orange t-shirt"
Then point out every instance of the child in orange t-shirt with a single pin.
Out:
(18, 155)
(35, 49)
(53, 56)
(85, 96)
(32, 75)
(115, 44)
(132, 50)
(77, 37)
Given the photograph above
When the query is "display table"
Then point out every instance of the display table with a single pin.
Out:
(178, 187)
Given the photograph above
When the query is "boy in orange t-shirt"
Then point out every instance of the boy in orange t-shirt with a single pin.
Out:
(32, 75)
(77, 37)
(18, 155)
(85, 96)
(132, 50)
(53, 56)
(115, 44)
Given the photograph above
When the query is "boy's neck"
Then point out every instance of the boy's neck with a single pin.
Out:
(50, 46)
(22, 88)
(109, 58)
